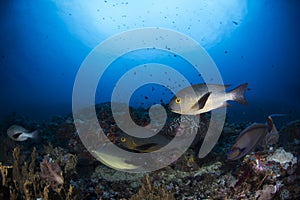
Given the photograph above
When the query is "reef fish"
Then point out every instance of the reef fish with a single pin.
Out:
(202, 98)
(116, 158)
(18, 133)
(249, 138)
(142, 145)
(114, 161)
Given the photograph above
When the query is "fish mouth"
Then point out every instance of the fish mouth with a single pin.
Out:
(175, 111)
(169, 107)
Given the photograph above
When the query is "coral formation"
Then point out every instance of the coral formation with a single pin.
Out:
(150, 192)
(266, 193)
(58, 166)
(52, 173)
(285, 159)
(24, 181)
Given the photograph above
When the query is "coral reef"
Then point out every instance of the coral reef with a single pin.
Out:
(24, 181)
(6, 181)
(285, 159)
(266, 193)
(150, 192)
(52, 173)
(58, 166)
(103, 172)
(271, 172)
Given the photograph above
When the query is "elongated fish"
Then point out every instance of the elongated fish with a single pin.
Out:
(249, 138)
(202, 98)
(18, 133)
(116, 162)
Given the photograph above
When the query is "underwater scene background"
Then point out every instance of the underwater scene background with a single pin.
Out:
(43, 45)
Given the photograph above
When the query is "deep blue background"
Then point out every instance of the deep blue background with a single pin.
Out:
(40, 55)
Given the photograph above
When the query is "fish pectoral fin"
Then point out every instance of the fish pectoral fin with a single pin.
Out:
(17, 135)
(233, 152)
(242, 149)
(227, 104)
(145, 147)
(227, 86)
(201, 102)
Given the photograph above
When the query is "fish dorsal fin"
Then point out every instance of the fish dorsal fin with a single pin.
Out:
(250, 128)
(201, 102)
(270, 124)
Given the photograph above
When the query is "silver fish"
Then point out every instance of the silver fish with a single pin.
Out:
(116, 162)
(115, 158)
(18, 133)
(249, 138)
(202, 98)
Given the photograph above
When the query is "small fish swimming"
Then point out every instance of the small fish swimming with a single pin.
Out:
(18, 133)
(196, 99)
(249, 138)
(142, 145)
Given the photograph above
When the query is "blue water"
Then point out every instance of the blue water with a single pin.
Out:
(43, 43)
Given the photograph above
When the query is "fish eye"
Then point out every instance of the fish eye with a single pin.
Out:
(178, 100)
(123, 139)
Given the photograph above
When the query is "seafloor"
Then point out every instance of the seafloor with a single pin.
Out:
(57, 165)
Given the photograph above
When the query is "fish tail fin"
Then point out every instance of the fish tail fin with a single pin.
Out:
(238, 94)
(34, 134)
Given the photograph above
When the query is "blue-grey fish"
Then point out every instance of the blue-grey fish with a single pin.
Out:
(202, 98)
(18, 133)
(249, 138)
